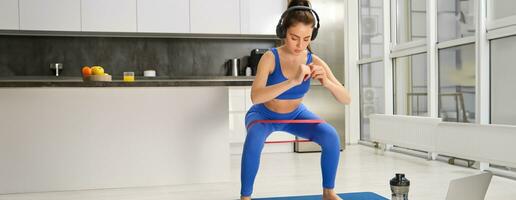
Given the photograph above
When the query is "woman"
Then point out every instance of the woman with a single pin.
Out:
(282, 78)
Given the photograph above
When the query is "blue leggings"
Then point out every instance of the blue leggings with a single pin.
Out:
(323, 134)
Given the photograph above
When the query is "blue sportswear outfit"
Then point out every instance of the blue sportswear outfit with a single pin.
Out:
(321, 133)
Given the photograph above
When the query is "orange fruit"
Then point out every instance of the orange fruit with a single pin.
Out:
(86, 71)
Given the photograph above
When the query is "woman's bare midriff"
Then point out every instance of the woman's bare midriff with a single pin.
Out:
(283, 106)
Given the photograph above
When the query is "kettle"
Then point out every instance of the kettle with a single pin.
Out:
(233, 67)
(399, 187)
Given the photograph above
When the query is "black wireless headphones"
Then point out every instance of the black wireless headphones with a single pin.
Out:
(281, 30)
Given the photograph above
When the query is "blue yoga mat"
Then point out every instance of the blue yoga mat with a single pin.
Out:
(345, 196)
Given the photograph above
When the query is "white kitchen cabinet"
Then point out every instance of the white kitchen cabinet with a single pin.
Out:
(237, 110)
(108, 16)
(248, 102)
(237, 99)
(239, 104)
(50, 15)
(9, 15)
(163, 16)
(237, 127)
(219, 17)
(132, 137)
(261, 17)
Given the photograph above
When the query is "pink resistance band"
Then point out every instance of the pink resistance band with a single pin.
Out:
(294, 121)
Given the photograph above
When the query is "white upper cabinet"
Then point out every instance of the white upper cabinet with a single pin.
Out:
(52, 15)
(215, 16)
(261, 17)
(108, 15)
(255, 17)
(9, 15)
(164, 16)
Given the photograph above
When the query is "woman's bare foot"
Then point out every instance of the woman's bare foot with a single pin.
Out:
(329, 194)
(245, 198)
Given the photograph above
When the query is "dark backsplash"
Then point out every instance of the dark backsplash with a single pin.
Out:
(32, 55)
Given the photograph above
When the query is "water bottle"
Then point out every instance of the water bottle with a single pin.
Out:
(399, 187)
(248, 71)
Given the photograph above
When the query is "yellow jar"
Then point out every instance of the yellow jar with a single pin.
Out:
(128, 76)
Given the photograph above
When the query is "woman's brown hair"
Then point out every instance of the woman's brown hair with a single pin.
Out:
(299, 16)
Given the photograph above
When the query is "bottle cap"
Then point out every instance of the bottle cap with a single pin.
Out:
(400, 180)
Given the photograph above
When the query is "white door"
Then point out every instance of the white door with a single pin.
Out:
(261, 17)
(9, 14)
(109, 15)
(210, 16)
(53, 15)
(164, 16)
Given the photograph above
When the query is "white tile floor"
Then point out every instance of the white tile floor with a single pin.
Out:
(361, 169)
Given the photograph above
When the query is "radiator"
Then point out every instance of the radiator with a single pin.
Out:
(485, 143)
(405, 131)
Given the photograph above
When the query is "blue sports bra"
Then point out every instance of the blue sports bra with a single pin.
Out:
(277, 76)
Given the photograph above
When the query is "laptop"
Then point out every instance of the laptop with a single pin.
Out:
(470, 188)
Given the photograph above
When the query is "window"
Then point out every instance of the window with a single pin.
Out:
(457, 82)
(372, 99)
(411, 20)
(455, 19)
(503, 80)
(410, 85)
(499, 9)
(371, 28)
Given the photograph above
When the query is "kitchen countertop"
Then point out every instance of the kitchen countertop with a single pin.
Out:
(161, 81)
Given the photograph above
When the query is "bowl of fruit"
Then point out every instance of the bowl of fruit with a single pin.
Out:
(95, 73)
